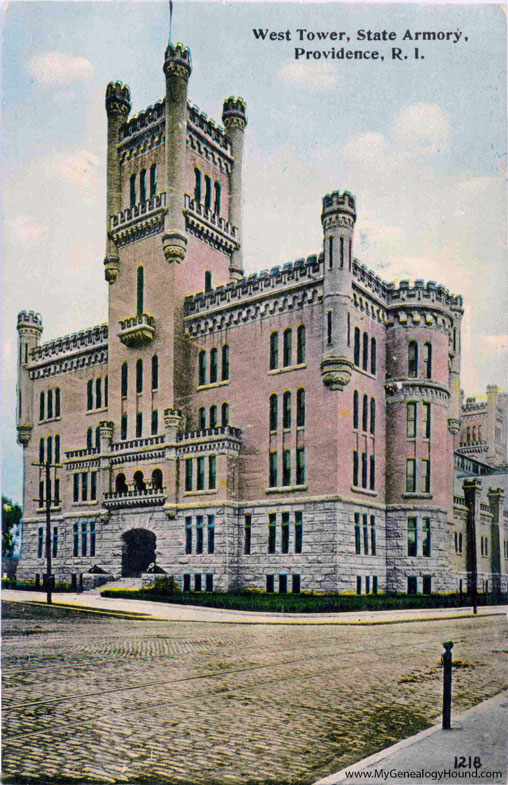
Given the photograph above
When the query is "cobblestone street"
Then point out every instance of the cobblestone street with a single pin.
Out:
(90, 698)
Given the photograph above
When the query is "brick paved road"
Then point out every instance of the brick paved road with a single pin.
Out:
(101, 699)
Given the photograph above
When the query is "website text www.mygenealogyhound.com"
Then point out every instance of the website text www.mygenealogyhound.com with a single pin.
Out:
(400, 46)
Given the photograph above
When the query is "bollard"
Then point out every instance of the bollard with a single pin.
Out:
(446, 659)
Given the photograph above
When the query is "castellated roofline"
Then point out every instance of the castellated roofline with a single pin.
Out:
(91, 338)
(29, 319)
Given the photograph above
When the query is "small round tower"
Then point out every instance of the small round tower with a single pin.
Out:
(29, 328)
(338, 218)
(234, 117)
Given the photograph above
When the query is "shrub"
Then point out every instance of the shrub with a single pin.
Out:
(166, 585)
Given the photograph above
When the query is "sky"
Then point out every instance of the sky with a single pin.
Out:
(420, 142)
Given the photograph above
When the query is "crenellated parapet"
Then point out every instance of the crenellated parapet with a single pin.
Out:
(234, 113)
(339, 209)
(29, 323)
(118, 99)
(92, 337)
(177, 61)
(428, 293)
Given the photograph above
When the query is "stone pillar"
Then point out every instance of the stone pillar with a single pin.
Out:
(106, 428)
(118, 106)
(173, 420)
(29, 332)
(455, 402)
(472, 490)
(235, 119)
(338, 219)
(496, 499)
(177, 68)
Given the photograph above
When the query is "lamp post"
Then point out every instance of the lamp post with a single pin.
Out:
(47, 466)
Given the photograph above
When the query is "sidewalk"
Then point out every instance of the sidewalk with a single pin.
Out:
(477, 740)
(192, 613)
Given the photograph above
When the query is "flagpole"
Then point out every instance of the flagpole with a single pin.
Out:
(170, 18)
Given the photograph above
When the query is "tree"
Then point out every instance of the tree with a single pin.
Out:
(11, 516)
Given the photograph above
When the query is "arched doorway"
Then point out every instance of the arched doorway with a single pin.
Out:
(138, 552)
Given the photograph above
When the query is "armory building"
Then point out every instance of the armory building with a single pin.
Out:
(289, 430)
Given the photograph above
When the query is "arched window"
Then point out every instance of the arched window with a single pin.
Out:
(300, 344)
(153, 180)
(274, 352)
(274, 412)
(225, 414)
(356, 415)
(217, 200)
(155, 372)
(300, 407)
(286, 410)
(157, 479)
(142, 185)
(208, 193)
(57, 402)
(413, 359)
(225, 362)
(125, 379)
(42, 399)
(373, 415)
(139, 481)
(208, 281)
(474, 433)
(213, 366)
(89, 394)
(89, 439)
(139, 376)
(213, 416)
(50, 404)
(98, 439)
(427, 359)
(41, 450)
(155, 422)
(57, 448)
(140, 291)
(202, 418)
(98, 393)
(202, 367)
(139, 425)
(197, 186)
(365, 358)
(365, 413)
(120, 483)
(479, 433)
(288, 348)
(133, 197)
(373, 359)
(123, 427)
(357, 347)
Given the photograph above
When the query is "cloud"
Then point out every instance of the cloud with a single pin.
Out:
(58, 68)
(79, 168)
(365, 147)
(423, 129)
(22, 230)
(309, 74)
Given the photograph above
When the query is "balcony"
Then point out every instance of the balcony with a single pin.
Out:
(134, 496)
(137, 330)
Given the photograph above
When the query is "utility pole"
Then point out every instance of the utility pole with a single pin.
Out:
(47, 466)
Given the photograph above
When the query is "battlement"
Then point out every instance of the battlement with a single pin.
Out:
(338, 202)
(29, 319)
(178, 61)
(118, 99)
(277, 279)
(144, 119)
(209, 127)
(234, 110)
(473, 404)
(422, 293)
(70, 344)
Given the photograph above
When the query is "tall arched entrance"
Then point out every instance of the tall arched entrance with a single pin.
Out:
(138, 552)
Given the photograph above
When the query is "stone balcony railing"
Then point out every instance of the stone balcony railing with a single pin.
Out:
(459, 500)
(84, 453)
(209, 217)
(135, 497)
(138, 211)
(136, 444)
(137, 330)
(220, 430)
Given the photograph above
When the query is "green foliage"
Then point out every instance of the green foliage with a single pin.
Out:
(166, 585)
(11, 516)
(31, 586)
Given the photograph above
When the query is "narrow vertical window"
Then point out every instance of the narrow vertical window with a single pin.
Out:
(41, 493)
(426, 425)
(212, 472)
(274, 352)
(225, 362)
(273, 470)
(372, 483)
(274, 408)
(84, 486)
(270, 584)
(155, 422)
(329, 327)
(300, 344)
(413, 359)
(197, 582)
(283, 584)
(202, 367)
(225, 414)
(125, 379)
(341, 251)
(288, 347)
(373, 535)
(40, 542)
(133, 196)
(365, 356)
(188, 474)
(213, 366)
(98, 393)
(75, 531)
(247, 534)
(300, 407)
(213, 416)
(209, 581)
(426, 537)
(298, 531)
(364, 469)
(373, 356)
(330, 253)
(139, 376)
(286, 467)
(93, 487)
(272, 532)
(188, 535)
(374, 584)
(358, 584)
(208, 193)
(365, 534)
(106, 391)
(89, 439)
(153, 180)
(350, 252)
(286, 410)
(186, 582)
(123, 427)
(197, 186)
(75, 494)
(365, 414)
(357, 347)
(358, 534)
(300, 465)
(92, 538)
(98, 438)
(57, 402)
(410, 475)
(348, 329)
(155, 372)
(41, 450)
(412, 542)
(140, 291)
(142, 185)
(217, 200)
(41, 405)
(355, 468)
(208, 281)
(57, 448)
(139, 425)
(89, 395)
(50, 404)
(202, 418)
(427, 359)
(411, 422)
(49, 449)
(295, 584)
(367, 584)
(373, 416)
(356, 406)
(426, 475)
(284, 545)
(84, 538)
(199, 534)
(55, 540)
(200, 473)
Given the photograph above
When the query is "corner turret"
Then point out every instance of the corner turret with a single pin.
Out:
(234, 117)
(29, 328)
(118, 106)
